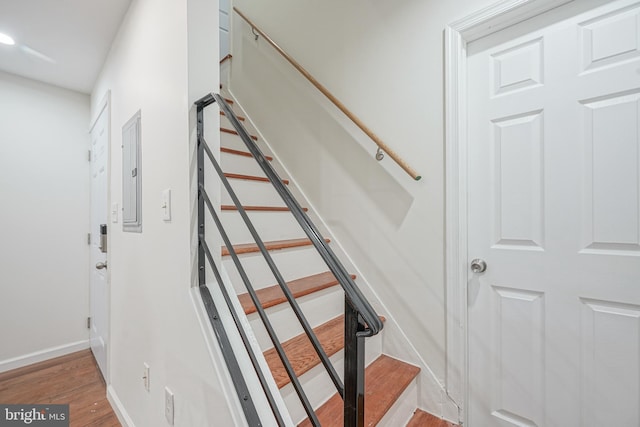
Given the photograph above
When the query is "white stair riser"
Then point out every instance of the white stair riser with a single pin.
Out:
(402, 410)
(235, 142)
(253, 193)
(232, 163)
(269, 225)
(317, 385)
(318, 308)
(233, 106)
(293, 263)
(225, 123)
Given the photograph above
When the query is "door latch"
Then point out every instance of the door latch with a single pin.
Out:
(103, 238)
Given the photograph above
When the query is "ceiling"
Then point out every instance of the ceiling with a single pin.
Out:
(61, 42)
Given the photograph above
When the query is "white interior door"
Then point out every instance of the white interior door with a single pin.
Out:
(554, 211)
(99, 283)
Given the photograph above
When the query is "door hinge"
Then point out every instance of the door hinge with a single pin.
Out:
(89, 239)
(89, 155)
(88, 322)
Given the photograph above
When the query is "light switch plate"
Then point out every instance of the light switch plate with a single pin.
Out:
(145, 376)
(166, 205)
(168, 405)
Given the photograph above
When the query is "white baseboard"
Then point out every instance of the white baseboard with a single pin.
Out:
(118, 408)
(42, 355)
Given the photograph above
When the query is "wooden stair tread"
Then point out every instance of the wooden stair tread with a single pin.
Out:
(385, 379)
(239, 117)
(246, 248)
(424, 419)
(273, 295)
(233, 132)
(251, 177)
(240, 153)
(301, 353)
(259, 208)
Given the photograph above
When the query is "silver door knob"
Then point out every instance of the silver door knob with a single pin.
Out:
(478, 265)
(101, 265)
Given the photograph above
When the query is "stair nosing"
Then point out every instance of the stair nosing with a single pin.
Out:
(241, 153)
(259, 208)
(239, 117)
(233, 132)
(230, 175)
(246, 248)
(297, 289)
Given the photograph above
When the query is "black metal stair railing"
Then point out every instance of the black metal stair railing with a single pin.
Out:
(361, 320)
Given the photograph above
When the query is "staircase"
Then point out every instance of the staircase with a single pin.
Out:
(390, 385)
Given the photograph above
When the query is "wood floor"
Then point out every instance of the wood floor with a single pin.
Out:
(73, 379)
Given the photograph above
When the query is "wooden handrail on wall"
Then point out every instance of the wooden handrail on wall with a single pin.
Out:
(227, 56)
(384, 147)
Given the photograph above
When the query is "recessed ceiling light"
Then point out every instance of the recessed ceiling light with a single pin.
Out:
(5, 39)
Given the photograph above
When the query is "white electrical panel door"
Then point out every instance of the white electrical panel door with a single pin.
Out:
(131, 179)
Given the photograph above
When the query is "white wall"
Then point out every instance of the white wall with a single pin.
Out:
(384, 61)
(44, 221)
(153, 317)
(224, 9)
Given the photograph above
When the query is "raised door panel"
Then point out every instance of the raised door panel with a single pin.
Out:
(610, 39)
(610, 369)
(518, 179)
(518, 367)
(612, 174)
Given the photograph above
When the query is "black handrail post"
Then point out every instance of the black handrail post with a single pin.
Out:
(200, 165)
(353, 367)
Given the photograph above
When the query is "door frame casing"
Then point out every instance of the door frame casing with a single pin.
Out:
(457, 35)
(105, 105)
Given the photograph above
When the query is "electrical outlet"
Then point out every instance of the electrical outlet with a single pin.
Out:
(145, 377)
(168, 405)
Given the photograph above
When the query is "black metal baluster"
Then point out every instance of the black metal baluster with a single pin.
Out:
(374, 324)
(263, 315)
(200, 166)
(333, 375)
(237, 376)
(361, 320)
